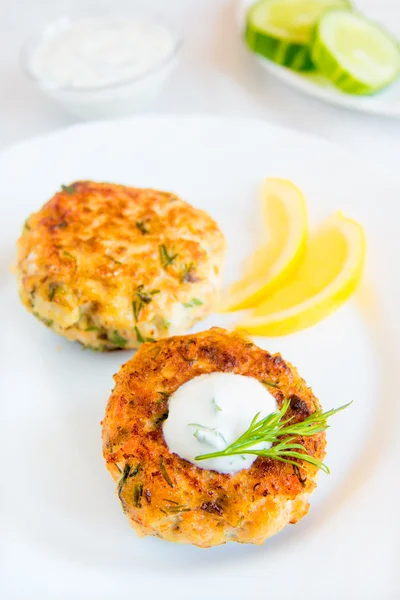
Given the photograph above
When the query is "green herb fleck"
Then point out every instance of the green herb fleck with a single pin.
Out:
(215, 405)
(150, 339)
(297, 472)
(160, 419)
(197, 302)
(101, 348)
(139, 336)
(160, 322)
(69, 189)
(92, 328)
(117, 262)
(174, 510)
(144, 296)
(157, 352)
(165, 257)
(186, 274)
(136, 308)
(137, 495)
(164, 395)
(116, 339)
(143, 299)
(194, 302)
(123, 479)
(274, 385)
(135, 470)
(203, 428)
(141, 225)
(68, 255)
(191, 361)
(61, 225)
(164, 473)
(47, 322)
(53, 287)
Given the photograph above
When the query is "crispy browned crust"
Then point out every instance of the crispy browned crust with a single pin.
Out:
(166, 496)
(96, 248)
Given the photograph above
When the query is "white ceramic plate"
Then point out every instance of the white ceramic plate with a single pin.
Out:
(65, 534)
(385, 103)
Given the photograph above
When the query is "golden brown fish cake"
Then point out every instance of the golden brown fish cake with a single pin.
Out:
(112, 266)
(171, 498)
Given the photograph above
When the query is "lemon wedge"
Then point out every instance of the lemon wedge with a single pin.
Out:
(327, 276)
(285, 216)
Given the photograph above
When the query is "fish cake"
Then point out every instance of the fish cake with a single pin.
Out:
(166, 496)
(112, 266)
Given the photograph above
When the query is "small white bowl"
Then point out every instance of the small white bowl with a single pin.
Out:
(106, 101)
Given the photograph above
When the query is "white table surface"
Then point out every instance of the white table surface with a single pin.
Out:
(216, 75)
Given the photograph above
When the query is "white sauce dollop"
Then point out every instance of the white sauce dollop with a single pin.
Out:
(98, 52)
(211, 411)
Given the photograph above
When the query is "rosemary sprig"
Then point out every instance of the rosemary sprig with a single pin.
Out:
(282, 433)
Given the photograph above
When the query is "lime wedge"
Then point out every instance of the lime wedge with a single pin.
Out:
(281, 30)
(356, 54)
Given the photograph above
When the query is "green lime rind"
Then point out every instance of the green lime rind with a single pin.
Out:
(329, 64)
(284, 46)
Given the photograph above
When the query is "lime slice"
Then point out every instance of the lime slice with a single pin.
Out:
(281, 30)
(356, 54)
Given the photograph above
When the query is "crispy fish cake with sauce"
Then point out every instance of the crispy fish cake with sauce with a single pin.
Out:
(112, 266)
(169, 497)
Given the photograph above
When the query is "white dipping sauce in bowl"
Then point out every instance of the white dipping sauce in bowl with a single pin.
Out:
(99, 52)
(102, 66)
